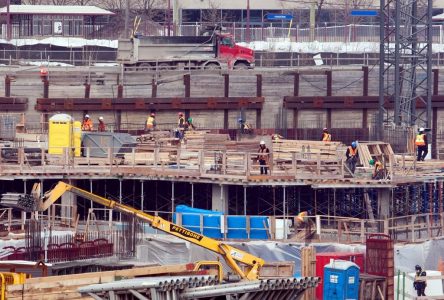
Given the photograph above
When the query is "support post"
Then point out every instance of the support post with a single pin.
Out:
(7, 86)
(153, 88)
(187, 83)
(365, 81)
(258, 85)
(142, 196)
(192, 194)
(45, 88)
(329, 82)
(120, 198)
(328, 118)
(435, 82)
(296, 85)
(226, 85)
(435, 133)
(384, 203)
(120, 91)
(87, 90)
(225, 119)
(219, 199)
(245, 200)
(172, 197)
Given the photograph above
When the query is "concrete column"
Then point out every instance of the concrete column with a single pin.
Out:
(67, 200)
(384, 196)
(219, 199)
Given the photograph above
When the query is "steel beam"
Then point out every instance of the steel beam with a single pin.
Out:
(138, 295)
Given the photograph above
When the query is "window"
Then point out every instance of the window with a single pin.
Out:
(227, 42)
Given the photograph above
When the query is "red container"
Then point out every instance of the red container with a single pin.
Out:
(323, 259)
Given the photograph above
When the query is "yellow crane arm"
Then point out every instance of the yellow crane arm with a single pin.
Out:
(232, 255)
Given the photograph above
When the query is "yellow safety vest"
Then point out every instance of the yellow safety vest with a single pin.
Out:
(326, 137)
(420, 140)
(150, 121)
(181, 120)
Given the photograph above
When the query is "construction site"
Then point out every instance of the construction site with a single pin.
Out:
(212, 178)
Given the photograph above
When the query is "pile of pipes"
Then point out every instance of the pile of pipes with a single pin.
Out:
(164, 287)
(283, 288)
(21, 201)
(196, 287)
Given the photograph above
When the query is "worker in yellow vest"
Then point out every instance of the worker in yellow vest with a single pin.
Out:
(326, 136)
(150, 122)
(352, 156)
(379, 170)
(421, 144)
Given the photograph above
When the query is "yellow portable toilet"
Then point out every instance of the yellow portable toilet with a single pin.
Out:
(62, 134)
(77, 137)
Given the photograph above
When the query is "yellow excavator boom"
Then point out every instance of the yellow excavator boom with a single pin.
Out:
(232, 255)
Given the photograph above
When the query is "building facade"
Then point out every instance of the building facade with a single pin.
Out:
(51, 20)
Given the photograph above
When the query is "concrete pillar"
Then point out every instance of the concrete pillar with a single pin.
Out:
(219, 199)
(69, 200)
(384, 196)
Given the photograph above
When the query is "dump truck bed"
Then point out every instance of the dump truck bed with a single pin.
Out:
(177, 48)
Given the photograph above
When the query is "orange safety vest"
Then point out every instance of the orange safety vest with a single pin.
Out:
(326, 137)
(352, 151)
(87, 125)
(420, 141)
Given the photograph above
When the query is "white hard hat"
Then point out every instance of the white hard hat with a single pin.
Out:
(421, 129)
(86, 116)
(262, 142)
(101, 118)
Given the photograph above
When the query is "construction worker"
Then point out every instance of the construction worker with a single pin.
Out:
(263, 158)
(180, 126)
(189, 125)
(87, 123)
(101, 127)
(352, 156)
(379, 170)
(244, 127)
(150, 122)
(419, 283)
(326, 136)
(421, 143)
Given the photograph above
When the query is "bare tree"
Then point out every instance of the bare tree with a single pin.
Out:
(213, 14)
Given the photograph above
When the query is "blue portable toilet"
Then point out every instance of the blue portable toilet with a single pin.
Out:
(341, 280)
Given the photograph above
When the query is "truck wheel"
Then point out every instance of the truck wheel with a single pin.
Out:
(212, 66)
(145, 67)
(164, 66)
(241, 66)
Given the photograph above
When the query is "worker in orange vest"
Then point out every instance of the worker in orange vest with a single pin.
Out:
(87, 124)
(101, 127)
(379, 170)
(150, 122)
(422, 144)
(352, 156)
(326, 136)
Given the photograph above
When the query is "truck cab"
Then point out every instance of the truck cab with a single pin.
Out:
(236, 56)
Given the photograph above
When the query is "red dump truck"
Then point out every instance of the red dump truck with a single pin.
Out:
(215, 51)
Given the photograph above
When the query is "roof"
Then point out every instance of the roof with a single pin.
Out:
(439, 17)
(56, 10)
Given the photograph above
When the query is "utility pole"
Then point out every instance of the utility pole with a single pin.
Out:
(127, 17)
(248, 36)
(8, 24)
(169, 17)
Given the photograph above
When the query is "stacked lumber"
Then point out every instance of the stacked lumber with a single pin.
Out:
(201, 140)
(283, 149)
(65, 286)
(155, 138)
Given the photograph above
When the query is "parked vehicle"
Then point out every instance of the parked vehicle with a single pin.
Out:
(215, 51)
